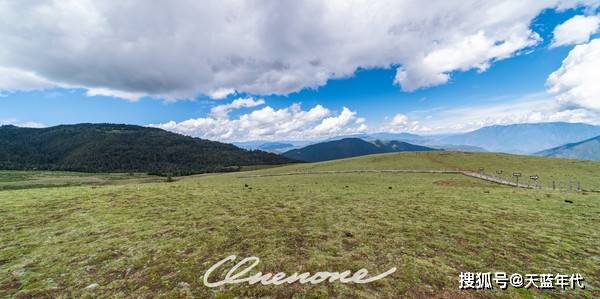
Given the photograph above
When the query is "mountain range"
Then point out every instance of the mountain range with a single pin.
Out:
(529, 138)
(587, 150)
(523, 138)
(121, 148)
(526, 138)
(271, 146)
(129, 148)
(350, 147)
(405, 137)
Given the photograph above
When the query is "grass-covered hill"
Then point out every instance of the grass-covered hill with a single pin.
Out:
(157, 239)
(587, 173)
(120, 148)
(588, 150)
(349, 147)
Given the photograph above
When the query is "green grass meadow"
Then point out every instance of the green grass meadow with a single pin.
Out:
(14, 180)
(143, 237)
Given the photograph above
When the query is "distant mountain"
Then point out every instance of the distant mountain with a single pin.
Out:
(584, 150)
(459, 148)
(406, 137)
(275, 146)
(120, 148)
(350, 147)
(433, 141)
(518, 138)
(400, 146)
(272, 146)
(523, 138)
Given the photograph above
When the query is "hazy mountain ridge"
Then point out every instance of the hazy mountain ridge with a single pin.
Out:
(272, 146)
(585, 150)
(527, 138)
(524, 138)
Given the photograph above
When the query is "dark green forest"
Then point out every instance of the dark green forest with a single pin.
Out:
(121, 148)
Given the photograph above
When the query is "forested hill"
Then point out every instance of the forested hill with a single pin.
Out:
(121, 148)
(350, 147)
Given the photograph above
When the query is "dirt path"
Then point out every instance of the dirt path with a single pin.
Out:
(462, 172)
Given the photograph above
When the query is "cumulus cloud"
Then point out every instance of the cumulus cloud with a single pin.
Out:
(532, 108)
(268, 123)
(576, 30)
(399, 120)
(402, 123)
(475, 51)
(12, 79)
(575, 83)
(178, 49)
(131, 96)
(23, 124)
(220, 93)
(222, 111)
(335, 124)
(529, 111)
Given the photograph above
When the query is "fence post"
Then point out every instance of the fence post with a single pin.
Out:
(553, 185)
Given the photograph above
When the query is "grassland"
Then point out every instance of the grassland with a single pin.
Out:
(15, 179)
(558, 170)
(158, 239)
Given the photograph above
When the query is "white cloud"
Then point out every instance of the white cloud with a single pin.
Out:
(399, 120)
(292, 122)
(130, 96)
(533, 108)
(466, 52)
(12, 79)
(332, 125)
(576, 83)
(574, 97)
(177, 49)
(31, 124)
(222, 111)
(221, 93)
(402, 123)
(25, 124)
(268, 123)
(576, 30)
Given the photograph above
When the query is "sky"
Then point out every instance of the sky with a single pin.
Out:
(276, 70)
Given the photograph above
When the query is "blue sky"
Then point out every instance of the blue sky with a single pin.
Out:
(471, 98)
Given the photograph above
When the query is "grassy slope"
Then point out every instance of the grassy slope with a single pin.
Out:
(563, 170)
(147, 239)
(16, 179)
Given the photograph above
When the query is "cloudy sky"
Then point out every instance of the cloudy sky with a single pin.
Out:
(242, 70)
